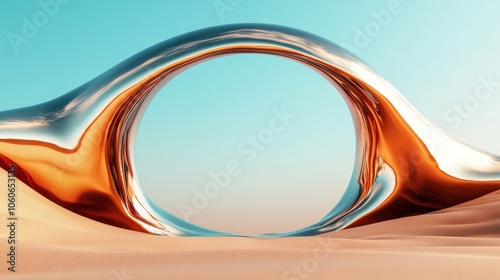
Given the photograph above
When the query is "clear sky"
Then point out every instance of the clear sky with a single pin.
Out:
(435, 52)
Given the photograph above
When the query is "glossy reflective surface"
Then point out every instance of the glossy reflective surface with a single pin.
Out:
(77, 150)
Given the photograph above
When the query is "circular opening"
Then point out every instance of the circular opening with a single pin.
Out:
(247, 144)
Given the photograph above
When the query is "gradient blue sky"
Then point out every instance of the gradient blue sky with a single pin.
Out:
(434, 52)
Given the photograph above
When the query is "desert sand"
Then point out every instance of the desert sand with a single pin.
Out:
(462, 242)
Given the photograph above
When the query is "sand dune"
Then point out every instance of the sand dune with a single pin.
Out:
(457, 243)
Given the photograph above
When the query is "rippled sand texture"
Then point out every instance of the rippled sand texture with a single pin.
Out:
(460, 242)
